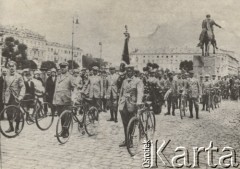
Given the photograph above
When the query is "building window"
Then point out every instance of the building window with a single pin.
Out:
(166, 56)
(157, 56)
(171, 56)
(144, 56)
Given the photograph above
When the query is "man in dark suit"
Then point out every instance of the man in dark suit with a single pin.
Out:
(50, 86)
(30, 91)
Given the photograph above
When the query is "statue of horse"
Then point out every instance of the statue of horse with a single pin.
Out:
(208, 37)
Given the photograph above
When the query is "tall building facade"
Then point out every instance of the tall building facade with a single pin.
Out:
(39, 49)
(170, 58)
(58, 53)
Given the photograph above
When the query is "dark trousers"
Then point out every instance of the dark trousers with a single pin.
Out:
(12, 113)
(104, 104)
(205, 98)
(64, 120)
(97, 103)
(126, 116)
(171, 103)
(193, 101)
(1, 108)
(112, 103)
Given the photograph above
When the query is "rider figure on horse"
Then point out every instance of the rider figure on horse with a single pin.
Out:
(207, 28)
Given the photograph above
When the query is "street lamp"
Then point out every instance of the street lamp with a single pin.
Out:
(100, 44)
(73, 23)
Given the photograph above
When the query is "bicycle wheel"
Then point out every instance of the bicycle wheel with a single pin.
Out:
(16, 117)
(92, 121)
(64, 126)
(44, 116)
(150, 125)
(135, 136)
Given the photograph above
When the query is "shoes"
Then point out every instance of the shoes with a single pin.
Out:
(190, 117)
(65, 135)
(115, 120)
(9, 130)
(17, 130)
(123, 144)
(110, 119)
(173, 114)
(167, 114)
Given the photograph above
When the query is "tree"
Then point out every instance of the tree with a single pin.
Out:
(74, 64)
(13, 50)
(89, 61)
(29, 64)
(186, 65)
(46, 65)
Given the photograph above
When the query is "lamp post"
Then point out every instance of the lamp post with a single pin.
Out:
(100, 44)
(73, 23)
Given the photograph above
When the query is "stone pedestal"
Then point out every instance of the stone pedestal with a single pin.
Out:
(206, 65)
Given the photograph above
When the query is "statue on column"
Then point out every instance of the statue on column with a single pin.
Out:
(207, 35)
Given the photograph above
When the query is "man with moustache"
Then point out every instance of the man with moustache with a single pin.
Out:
(62, 95)
(131, 95)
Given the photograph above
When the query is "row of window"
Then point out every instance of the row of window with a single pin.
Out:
(162, 56)
(33, 42)
(148, 61)
(62, 51)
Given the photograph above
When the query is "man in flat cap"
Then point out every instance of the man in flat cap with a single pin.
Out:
(207, 86)
(62, 95)
(131, 95)
(104, 80)
(50, 85)
(96, 88)
(193, 94)
(171, 85)
(112, 93)
(152, 85)
(13, 88)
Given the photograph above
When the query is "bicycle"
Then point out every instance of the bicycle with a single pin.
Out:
(142, 125)
(41, 112)
(87, 119)
(183, 103)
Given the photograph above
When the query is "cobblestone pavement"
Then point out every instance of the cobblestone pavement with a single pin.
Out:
(35, 149)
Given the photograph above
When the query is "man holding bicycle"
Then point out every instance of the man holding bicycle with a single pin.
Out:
(62, 95)
(131, 95)
(13, 89)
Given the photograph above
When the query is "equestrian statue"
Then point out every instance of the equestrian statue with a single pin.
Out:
(207, 35)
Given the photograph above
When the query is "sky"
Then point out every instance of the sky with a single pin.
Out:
(104, 21)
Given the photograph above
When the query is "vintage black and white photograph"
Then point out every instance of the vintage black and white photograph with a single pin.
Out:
(130, 84)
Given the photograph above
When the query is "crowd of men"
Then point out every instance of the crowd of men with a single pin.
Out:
(111, 90)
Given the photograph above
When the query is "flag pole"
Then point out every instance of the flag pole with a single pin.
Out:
(72, 41)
